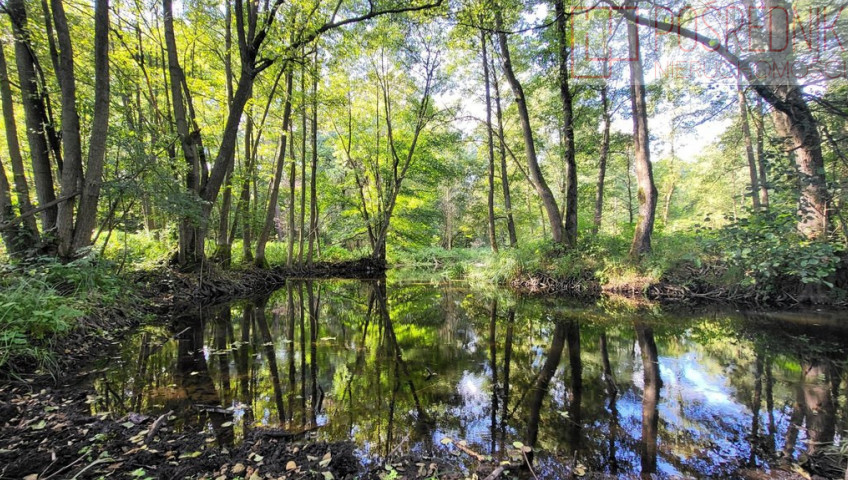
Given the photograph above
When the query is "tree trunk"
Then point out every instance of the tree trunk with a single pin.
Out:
(567, 133)
(278, 175)
(191, 233)
(813, 203)
(602, 162)
(535, 173)
(491, 146)
(35, 114)
(245, 211)
(292, 176)
(72, 175)
(510, 221)
(647, 192)
(224, 247)
(628, 180)
(313, 193)
(300, 237)
(18, 173)
(749, 147)
(87, 212)
(12, 234)
(761, 160)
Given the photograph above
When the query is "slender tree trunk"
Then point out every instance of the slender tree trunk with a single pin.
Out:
(292, 176)
(278, 174)
(749, 147)
(647, 192)
(313, 174)
(567, 133)
(629, 183)
(246, 211)
(18, 173)
(535, 172)
(761, 160)
(300, 237)
(87, 212)
(602, 162)
(490, 144)
(510, 221)
(12, 234)
(52, 137)
(35, 114)
(223, 253)
(71, 145)
(223, 248)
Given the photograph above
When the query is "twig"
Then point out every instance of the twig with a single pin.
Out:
(470, 452)
(96, 462)
(495, 473)
(57, 472)
(527, 461)
(398, 446)
(157, 425)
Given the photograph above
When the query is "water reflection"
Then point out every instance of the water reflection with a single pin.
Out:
(614, 387)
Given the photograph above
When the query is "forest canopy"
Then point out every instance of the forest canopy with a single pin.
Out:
(283, 133)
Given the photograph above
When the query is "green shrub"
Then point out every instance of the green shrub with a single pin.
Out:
(33, 316)
(773, 255)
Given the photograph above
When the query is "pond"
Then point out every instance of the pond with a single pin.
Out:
(612, 386)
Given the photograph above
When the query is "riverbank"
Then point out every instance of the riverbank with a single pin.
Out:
(682, 269)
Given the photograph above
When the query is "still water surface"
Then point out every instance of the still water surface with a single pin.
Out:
(613, 385)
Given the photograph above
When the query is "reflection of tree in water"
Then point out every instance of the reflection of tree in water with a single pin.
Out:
(650, 398)
(198, 401)
(382, 366)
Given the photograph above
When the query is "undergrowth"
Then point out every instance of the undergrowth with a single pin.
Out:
(43, 300)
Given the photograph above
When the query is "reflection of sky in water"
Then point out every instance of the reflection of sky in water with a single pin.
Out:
(704, 412)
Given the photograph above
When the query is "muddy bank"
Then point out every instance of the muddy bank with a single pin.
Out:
(172, 288)
(678, 290)
(49, 433)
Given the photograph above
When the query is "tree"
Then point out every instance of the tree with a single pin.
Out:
(567, 100)
(647, 193)
(535, 172)
(490, 145)
(35, 113)
(749, 147)
(788, 99)
(602, 160)
(16, 159)
(87, 211)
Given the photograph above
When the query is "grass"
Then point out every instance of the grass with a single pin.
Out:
(604, 257)
(43, 300)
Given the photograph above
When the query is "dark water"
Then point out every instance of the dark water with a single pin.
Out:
(616, 386)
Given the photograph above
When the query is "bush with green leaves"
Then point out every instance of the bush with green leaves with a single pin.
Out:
(773, 255)
(43, 299)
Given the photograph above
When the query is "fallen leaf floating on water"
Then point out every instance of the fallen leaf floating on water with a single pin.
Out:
(447, 440)
(580, 470)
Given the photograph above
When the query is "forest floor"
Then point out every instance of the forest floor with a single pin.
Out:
(48, 429)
